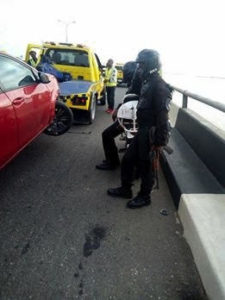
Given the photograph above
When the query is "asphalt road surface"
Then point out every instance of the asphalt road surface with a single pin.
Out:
(62, 237)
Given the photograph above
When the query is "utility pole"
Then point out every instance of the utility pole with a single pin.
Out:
(66, 24)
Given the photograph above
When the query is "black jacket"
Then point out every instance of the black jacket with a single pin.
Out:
(153, 106)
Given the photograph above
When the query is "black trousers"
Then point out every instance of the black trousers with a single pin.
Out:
(138, 154)
(109, 145)
(110, 96)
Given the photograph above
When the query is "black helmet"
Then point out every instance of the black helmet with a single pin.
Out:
(128, 71)
(150, 58)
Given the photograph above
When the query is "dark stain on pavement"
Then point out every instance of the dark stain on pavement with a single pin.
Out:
(93, 240)
(81, 285)
(80, 132)
(80, 266)
(191, 294)
(25, 248)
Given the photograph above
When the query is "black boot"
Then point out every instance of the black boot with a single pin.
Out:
(122, 192)
(139, 201)
(105, 165)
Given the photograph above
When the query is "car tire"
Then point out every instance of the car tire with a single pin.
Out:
(62, 122)
(92, 110)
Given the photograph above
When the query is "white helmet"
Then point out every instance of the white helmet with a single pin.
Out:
(127, 117)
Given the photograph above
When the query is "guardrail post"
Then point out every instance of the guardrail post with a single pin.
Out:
(185, 101)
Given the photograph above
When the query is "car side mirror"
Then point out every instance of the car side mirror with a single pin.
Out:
(43, 77)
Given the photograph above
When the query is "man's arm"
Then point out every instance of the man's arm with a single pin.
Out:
(163, 96)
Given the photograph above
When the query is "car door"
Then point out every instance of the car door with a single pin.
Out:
(9, 144)
(29, 98)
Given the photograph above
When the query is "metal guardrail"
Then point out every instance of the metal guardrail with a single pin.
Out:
(186, 94)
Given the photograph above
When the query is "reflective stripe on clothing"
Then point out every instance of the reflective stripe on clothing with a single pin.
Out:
(111, 76)
(32, 62)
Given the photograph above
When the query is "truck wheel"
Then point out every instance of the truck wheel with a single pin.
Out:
(92, 110)
(62, 121)
(103, 99)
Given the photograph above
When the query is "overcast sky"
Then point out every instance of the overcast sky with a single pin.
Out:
(189, 34)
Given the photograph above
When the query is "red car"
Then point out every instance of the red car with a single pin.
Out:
(28, 106)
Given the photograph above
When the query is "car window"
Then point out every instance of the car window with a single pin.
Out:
(71, 57)
(14, 75)
(119, 68)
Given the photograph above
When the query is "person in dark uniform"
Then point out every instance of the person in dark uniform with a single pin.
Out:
(152, 113)
(112, 160)
(128, 72)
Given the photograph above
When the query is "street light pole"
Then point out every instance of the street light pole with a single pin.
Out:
(66, 28)
(66, 24)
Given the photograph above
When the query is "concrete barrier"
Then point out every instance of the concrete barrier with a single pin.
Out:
(198, 162)
(207, 141)
(195, 172)
(203, 219)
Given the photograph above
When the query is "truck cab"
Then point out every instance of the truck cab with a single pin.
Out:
(119, 68)
(86, 88)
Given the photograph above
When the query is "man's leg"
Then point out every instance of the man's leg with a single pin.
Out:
(110, 97)
(128, 163)
(109, 145)
(127, 168)
(108, 91)
(147, 179)
(143, 197)
(112, 100)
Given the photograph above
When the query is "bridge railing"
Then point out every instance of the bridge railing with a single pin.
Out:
(207, 101)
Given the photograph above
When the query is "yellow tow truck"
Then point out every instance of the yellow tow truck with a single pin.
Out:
(119, 68)
(86, 87)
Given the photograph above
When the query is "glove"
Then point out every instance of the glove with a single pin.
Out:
(162, 137)
(156, 148)
(114, 114)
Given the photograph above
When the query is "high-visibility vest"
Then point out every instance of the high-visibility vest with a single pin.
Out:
(111, 76)
(32, 62)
